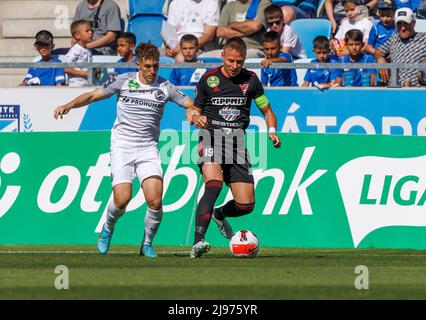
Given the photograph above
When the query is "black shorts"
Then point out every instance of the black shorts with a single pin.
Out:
(230, 153)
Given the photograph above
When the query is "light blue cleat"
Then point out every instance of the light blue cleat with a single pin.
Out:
(148, 251)
(104, 240)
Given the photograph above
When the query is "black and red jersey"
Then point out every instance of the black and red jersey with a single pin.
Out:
(226, 101)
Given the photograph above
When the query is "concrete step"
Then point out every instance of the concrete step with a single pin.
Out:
(36, 9)
(25, 28)
(11, 81)
(24, 47)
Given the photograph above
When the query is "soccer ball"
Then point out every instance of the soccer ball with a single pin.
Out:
(244, 243)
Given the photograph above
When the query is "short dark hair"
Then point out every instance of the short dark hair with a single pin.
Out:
(354, 35)
(321, 42)
(147, 51)
(273, 10)
(237, 44)
(271, 36)
(189, 38)
(76, 25)
(127, 36)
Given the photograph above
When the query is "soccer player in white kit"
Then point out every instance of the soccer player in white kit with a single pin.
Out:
(134, 139)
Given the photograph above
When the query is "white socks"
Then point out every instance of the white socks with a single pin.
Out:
(152, 223)
(113, 214)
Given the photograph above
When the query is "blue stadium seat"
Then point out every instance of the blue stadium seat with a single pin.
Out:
(210, 60)
(147, 27)
(308, 29)
(165, 72)
(145, 7)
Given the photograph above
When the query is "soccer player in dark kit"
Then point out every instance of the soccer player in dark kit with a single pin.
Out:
(222, 103)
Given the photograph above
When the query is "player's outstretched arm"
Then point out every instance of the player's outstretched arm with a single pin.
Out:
(271, 122)
(80, 101)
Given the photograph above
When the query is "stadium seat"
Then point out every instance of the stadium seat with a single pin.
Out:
(301, 72)
(145, 7)
(165, 72)
(420, 25)
(308, 29)
(147, 27)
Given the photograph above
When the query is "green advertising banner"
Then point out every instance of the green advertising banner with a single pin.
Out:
(317, 190)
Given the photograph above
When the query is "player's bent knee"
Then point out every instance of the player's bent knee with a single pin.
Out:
(121, 202)
(155, 204)
(244, 208)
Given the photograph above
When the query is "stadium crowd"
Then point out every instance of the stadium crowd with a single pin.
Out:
(361, 32)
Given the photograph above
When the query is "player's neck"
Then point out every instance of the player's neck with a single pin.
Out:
(81, 43)
(129, 58)
(143, 80)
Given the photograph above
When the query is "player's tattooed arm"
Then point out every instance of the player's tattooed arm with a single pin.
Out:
(271, 122)
(80, 101)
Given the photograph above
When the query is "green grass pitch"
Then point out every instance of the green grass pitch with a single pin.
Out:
(27, 272)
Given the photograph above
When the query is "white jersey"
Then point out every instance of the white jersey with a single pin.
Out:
(139, 109)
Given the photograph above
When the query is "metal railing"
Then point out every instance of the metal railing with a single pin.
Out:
(393, 67)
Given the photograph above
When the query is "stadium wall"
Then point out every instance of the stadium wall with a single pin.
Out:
(317, 190)
(372, 110)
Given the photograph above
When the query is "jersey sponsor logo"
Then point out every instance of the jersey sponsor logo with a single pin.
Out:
(213, 81)
(133, 84)
(140, 102)
(244, 88)
(229, 113)
(9, 118)
(229, 101)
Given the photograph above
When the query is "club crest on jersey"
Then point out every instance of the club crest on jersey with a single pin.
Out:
(244, 88)
(159, 95)
(229, 113)
(133, 84)
(212, 81)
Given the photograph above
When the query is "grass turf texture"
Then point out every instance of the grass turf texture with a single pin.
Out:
(27, 272)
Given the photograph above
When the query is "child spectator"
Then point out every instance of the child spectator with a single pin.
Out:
(44, 76)
(385, 28)
(323, 77)
(125, 46)
(356, 77)
(356, 18)
(187, 76)
(276, 77)
(289, 40)
(82, 33)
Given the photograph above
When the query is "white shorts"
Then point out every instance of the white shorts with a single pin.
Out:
(126, 163)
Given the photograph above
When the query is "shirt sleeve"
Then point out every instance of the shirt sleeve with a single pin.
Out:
(113, 18)
(263, 77)
(200, 96)
(373, 36)
(59, 76)
(289, 38)
(175, 94)
(370, 59)
(225, 15)
(71, 55)
(260, 16)
(308, 77)
(257, 87)
(385, 48)
(114, 86)
(29, 75)
(171, 18)
(212, 16)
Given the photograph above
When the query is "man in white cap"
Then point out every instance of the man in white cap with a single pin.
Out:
(407, 46)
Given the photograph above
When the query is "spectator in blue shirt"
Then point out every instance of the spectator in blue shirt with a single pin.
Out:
(125, 46)
(385, 28)
(271, 76)
(324, 77)
(187, 76)
(44, 76)
(356, 77)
